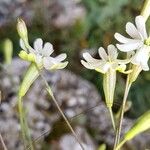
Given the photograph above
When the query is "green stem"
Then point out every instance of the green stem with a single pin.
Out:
(24, 127)
(2, 142)
(65, 118)
(112, 118)
(21, 119)
(120, 145)
(118, 131)
(58, 107)
(146, 9)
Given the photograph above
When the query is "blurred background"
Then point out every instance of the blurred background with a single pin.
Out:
(73, 27)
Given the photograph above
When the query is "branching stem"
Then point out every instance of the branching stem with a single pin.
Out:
(118, 131)
(58, 107)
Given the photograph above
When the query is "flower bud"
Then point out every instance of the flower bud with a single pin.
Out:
(8, 51)
(109, 83)
(22, 29)
(136, 69)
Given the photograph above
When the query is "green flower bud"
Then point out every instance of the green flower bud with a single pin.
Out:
(109, 83)
(22, 29)
(136, 69)
(8, 50)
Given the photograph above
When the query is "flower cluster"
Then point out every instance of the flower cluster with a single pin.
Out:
(138, 53)
(40, 53)
(138, 42)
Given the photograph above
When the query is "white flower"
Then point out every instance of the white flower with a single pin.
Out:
(42, 54)
(137, 42)
(108, 60)
(141, 57)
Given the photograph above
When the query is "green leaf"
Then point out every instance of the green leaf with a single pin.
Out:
(142, 124)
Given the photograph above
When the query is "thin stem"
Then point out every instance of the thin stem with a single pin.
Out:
(112, 118)
(2, 141)
(118, 131)
(58, 107)
(66, 120)
(120, 145)
(21, 119)
(24, 126)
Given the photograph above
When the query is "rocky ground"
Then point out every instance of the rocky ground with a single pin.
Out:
(74, 95)
(53, 12)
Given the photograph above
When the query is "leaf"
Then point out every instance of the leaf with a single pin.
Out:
(142, 124)
(30, 76)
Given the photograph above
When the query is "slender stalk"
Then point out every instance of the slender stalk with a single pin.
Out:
(145, 13)
(66, 120)
(25, 131)
(61, 112)
(21, 119)
(2, 141)
(118, 131)
(112, 118)
(120, 145)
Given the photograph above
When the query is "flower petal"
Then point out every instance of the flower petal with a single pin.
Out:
(121, 38)
(132, 31)
(38, 59)
(48, 62)
(140, 23)
(129, 46)
(112, 52)
(47, 49)
(58, 66)
(22, 45)
(38, 45)
(141, 58)
(86, 64)
(61, 57)
(105, 67)
(89, 58)
(102, 53)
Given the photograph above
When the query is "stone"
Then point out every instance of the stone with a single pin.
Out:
(79, 100)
